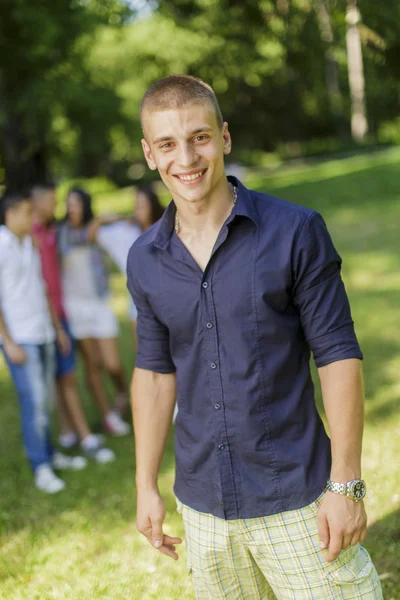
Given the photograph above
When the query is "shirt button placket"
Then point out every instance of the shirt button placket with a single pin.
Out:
(213, 347)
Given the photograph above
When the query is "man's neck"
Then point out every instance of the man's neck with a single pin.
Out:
(208, 214)
(37, 220)
(15, 232)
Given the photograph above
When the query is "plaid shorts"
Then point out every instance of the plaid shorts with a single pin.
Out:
(273, 557)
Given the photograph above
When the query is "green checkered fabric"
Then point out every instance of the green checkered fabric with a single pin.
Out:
(274, 557)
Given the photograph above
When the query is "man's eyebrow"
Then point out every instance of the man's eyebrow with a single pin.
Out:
(167, 138)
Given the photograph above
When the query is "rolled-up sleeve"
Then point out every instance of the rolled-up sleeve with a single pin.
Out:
(153, 352)
(320, 295)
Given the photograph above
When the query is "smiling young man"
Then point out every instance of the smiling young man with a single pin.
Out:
(234, 288)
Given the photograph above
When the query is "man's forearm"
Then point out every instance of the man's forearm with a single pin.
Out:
(4, 333)
(53, 314)
(153, 401)
(343, 395)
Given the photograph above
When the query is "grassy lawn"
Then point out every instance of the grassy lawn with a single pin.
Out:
(82, 544)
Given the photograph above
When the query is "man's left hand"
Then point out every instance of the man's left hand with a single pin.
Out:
(341, 523)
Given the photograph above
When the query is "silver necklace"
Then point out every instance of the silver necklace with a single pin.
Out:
(234, 199)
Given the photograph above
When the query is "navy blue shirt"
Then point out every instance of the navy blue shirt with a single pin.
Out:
(248, 439)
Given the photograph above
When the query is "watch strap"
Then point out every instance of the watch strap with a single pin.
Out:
(337, 488)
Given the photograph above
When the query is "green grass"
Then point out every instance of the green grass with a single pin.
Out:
(82, 544)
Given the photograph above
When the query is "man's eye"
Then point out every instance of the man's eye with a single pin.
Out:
(200, 138)
(167, 145)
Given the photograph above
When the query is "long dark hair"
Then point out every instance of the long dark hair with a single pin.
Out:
(86, 202)
(157, 208)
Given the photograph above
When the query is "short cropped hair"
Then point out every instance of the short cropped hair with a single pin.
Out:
(12, 199)
(176, 91)
(42, 188)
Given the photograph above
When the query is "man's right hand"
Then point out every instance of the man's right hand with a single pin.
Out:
(149, 520)
(15, 353)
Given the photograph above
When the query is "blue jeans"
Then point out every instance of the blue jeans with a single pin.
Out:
(34, 382)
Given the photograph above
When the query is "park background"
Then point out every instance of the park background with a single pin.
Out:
(310, 89)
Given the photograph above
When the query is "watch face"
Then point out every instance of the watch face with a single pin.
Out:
(359, 489)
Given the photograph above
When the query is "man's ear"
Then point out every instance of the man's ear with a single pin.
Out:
(226, 136)
(148, 155)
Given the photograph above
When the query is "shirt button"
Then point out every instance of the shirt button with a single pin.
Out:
(213, 366)
(205, 285)
(209, 325)
(221, 446)
(217, 406)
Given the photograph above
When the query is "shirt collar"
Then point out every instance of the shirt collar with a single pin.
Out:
(9, 236)
(163, 230)
(245, 202)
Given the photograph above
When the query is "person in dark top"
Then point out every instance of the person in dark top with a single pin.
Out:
(234, 289)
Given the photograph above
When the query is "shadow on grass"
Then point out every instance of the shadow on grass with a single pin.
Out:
(383, 543)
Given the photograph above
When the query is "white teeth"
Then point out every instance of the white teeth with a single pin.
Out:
(191, 177)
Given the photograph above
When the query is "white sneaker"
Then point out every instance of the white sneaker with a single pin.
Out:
(73, 463)
(92, 446)
(104, 455)
(68, 440)
(47, 481)
(115, 425)
(93, 440)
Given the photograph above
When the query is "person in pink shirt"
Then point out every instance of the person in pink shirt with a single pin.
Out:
(72, 417)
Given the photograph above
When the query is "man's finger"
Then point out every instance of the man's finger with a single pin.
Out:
(363, 534)
(347, 540)
(355, 538)
(157, 536)
(323, 532)
(169, 551)
(335, 546)
(172, 540)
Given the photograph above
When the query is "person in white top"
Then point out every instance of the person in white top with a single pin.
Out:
(28, 330)
(87, 304)
(117, 238)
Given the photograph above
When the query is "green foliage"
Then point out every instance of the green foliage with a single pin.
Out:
(389, 131)
(94, 186)
(72, 74)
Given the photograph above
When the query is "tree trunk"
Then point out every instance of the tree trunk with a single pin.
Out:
(331, 69)
(359, 123)
(24, 159)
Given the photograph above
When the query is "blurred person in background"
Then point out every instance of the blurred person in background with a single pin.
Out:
(86, 300)
(71, 415)
(28, 329)
(117, 238)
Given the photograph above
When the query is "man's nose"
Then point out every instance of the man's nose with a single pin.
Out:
(187, 157)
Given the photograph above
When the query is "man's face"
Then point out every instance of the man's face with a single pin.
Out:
(187, 146)
(45, 205)
(19, 218)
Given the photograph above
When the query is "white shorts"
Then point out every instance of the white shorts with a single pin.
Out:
(91, 318)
